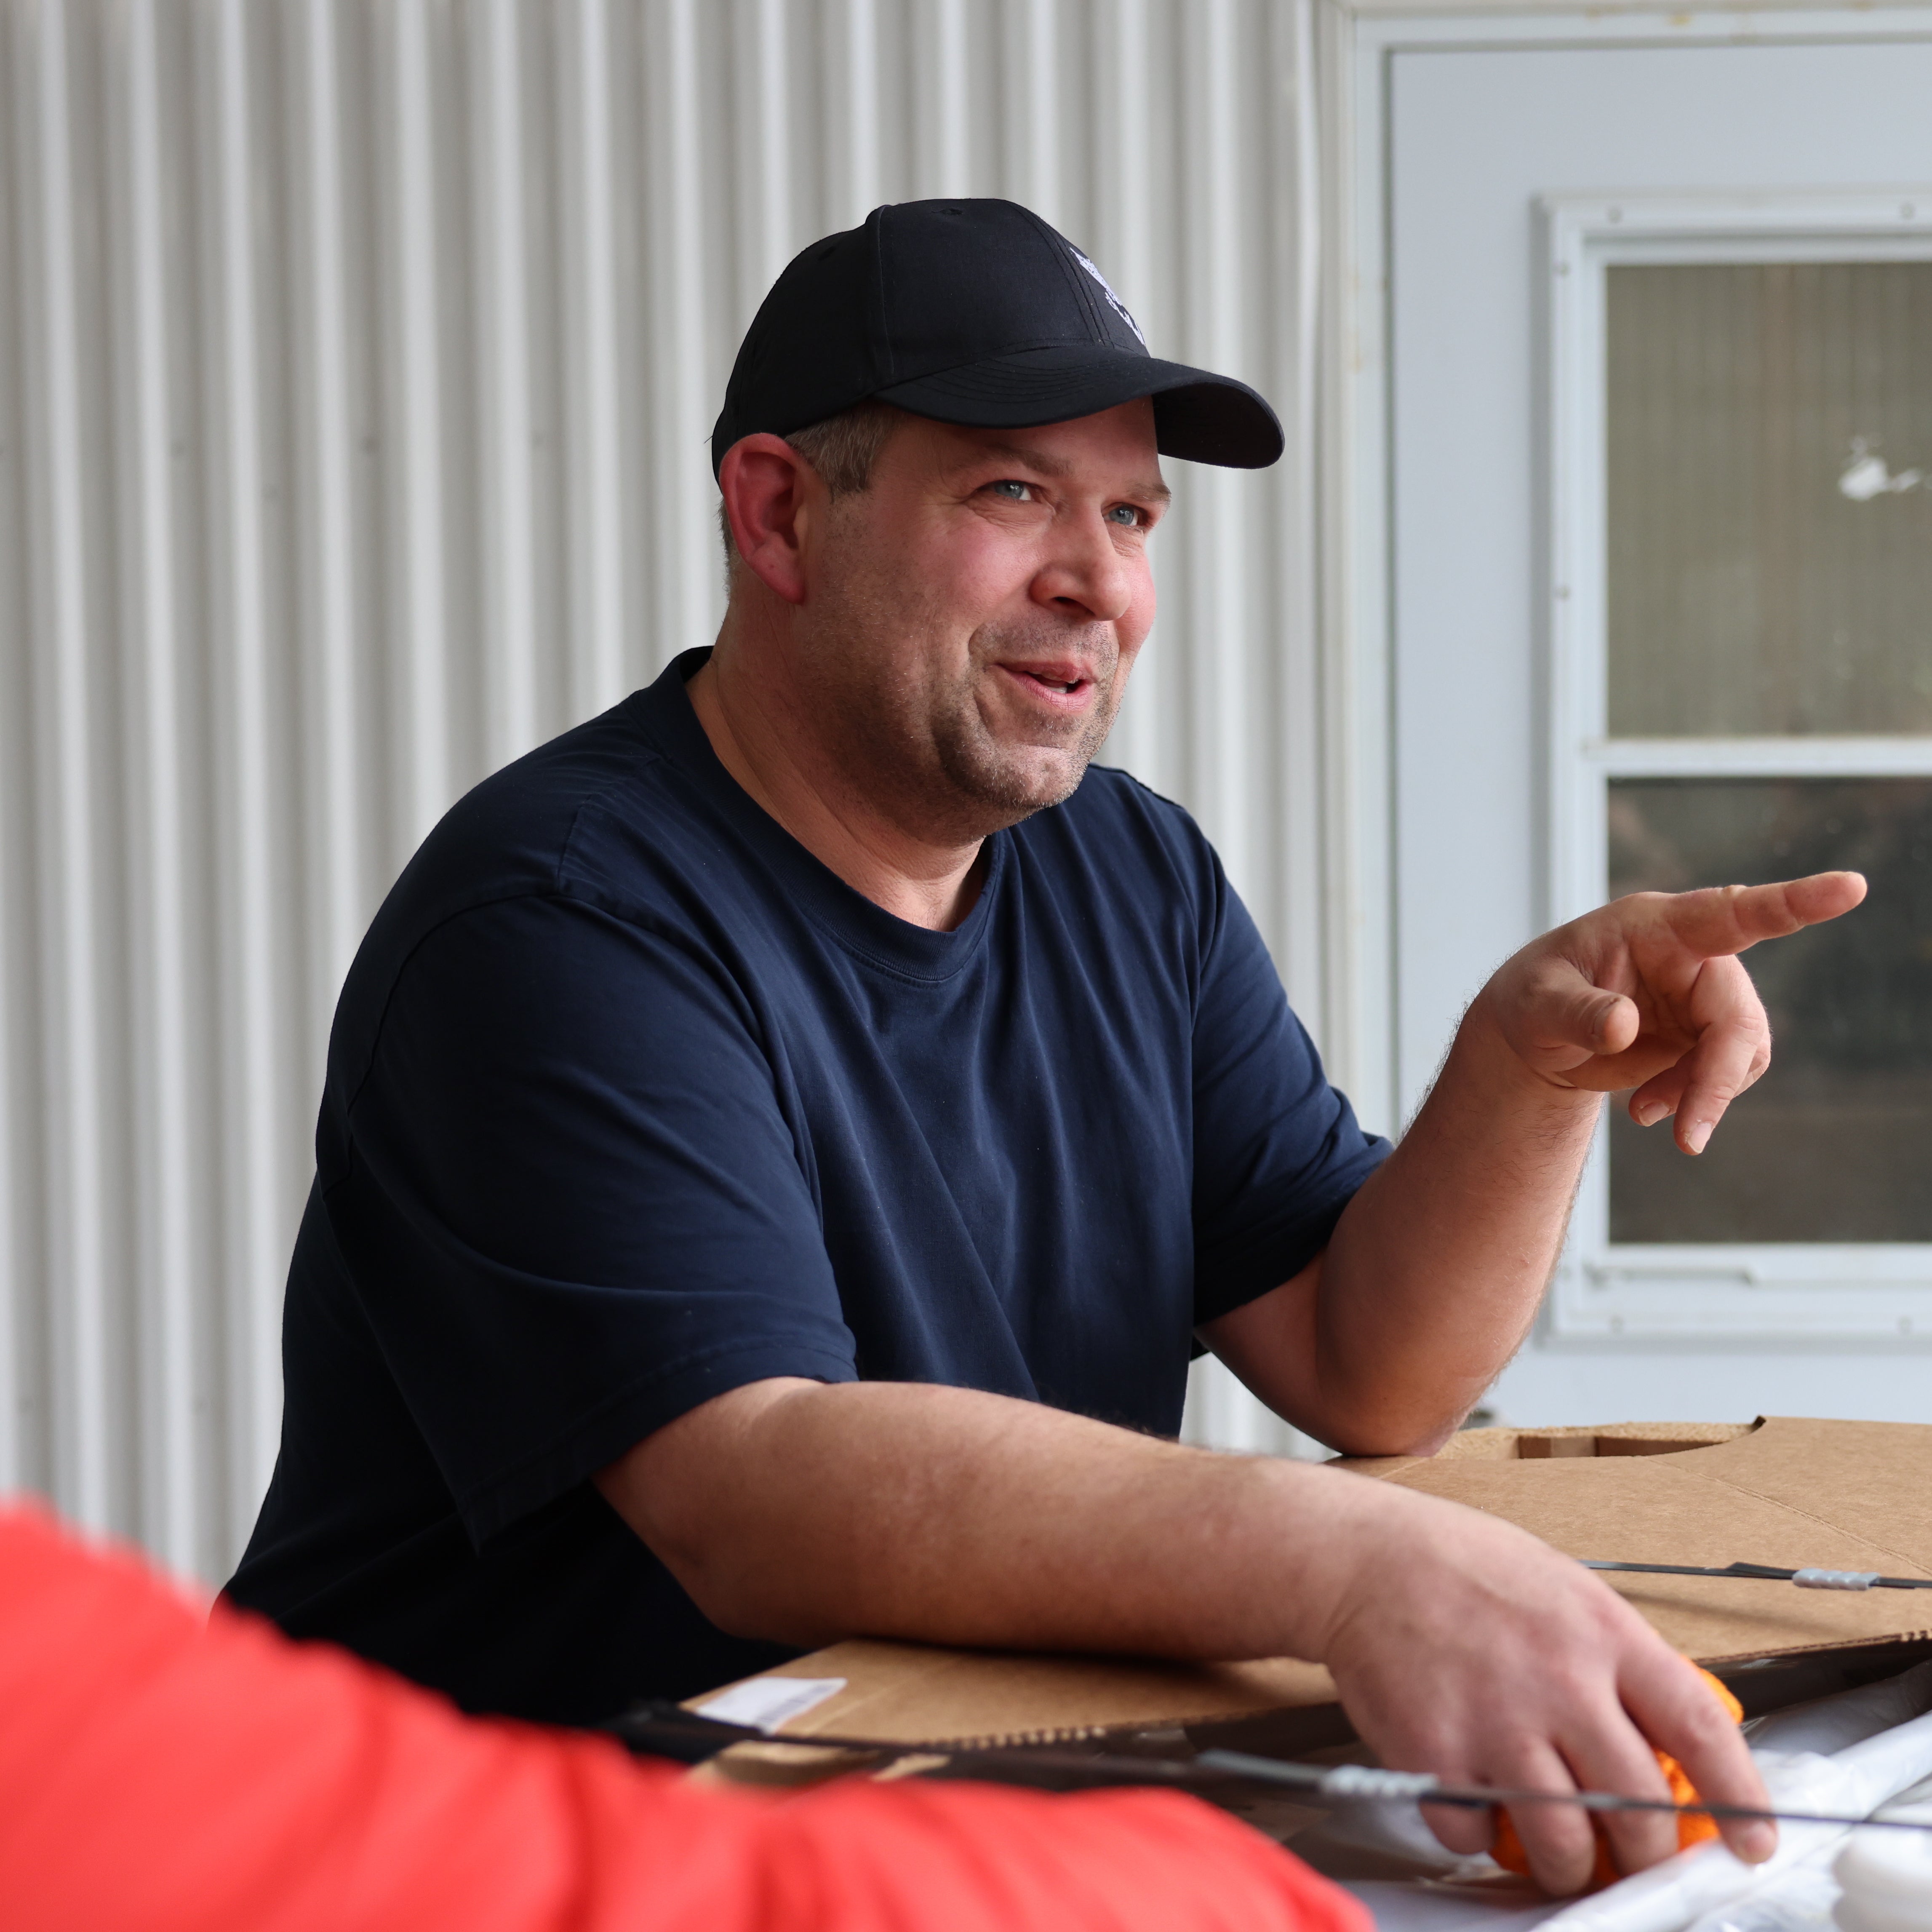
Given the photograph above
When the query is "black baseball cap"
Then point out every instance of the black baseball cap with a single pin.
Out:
(973, 312)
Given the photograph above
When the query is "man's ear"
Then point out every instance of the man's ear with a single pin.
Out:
(767, 484)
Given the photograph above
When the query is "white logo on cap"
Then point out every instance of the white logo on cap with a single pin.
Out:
(1113, 301)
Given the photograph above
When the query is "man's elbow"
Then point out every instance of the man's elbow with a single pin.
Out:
(1366, 1413)
(722, 1571)
(1392, 1432)
(743, 1602)
(1426, 1444)
(725, 1567)
(691, 1493)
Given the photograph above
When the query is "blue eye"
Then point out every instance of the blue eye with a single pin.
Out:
(1127, 515)
(1013, 489)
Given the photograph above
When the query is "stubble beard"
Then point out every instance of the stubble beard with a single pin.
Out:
(997, 778)
(920, 747)
(930, 758)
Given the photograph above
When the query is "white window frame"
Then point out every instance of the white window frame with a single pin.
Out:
(1603, 1290)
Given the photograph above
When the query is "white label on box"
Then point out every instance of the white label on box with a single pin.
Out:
(766, 1703)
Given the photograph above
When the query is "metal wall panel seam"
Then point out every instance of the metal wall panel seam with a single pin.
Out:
(1031, 85)
(424, 645)
(763, 219)
(679, 423)
(1357, 901)
(1218, 765)
(942, 119)
(76, 1285)
(335, 832)
(1297, 237)
(510, 614)
(596, 606)
(1123, 250)
(165, 1275)
(17, 994)
(853, 133)
(253, 1070)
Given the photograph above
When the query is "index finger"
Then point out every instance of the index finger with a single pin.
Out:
(1721, 919)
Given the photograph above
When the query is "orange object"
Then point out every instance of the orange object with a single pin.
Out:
(1508, 1853)
(179, 1775)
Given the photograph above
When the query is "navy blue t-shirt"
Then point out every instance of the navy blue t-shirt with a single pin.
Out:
(630, 1101)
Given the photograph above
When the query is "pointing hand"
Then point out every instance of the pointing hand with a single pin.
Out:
(1648, 992)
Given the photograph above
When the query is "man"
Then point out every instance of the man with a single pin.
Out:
(782, 1139)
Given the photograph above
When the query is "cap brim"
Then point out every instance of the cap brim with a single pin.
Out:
(1199, 417)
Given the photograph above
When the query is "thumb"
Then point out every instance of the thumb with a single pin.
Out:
(1571, 1018)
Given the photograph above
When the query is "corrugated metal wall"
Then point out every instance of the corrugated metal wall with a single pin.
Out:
(356, 361)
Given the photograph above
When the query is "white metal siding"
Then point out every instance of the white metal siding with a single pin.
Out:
(356, 361)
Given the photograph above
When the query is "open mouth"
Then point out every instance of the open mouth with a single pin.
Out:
(1054, 682)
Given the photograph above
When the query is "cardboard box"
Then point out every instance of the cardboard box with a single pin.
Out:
(1834, 1495)
(1792, 1492)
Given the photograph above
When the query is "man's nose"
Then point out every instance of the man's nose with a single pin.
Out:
(1085, 572)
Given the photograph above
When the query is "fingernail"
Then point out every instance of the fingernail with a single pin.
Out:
(1651, 1113)
(1758, 1842)
(1699, 1133)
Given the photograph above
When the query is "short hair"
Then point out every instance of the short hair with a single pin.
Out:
(843, 449)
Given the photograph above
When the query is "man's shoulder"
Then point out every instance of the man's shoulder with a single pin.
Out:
(600, 824)
(600, 815)
(612, 812)
(517, 830)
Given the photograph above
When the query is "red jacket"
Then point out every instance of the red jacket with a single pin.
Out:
(161, 1773)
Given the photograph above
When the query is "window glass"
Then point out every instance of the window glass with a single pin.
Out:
(1769, 431)
(1835, 1144)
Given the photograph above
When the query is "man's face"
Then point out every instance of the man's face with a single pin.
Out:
(971, 619)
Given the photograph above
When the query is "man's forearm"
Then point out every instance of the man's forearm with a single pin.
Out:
(1433, 1274)
(898, 1510)
(1436, 1269)
(1459, 1644)
(1437, 1266)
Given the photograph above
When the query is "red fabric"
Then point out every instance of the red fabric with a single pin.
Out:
(158, 1773)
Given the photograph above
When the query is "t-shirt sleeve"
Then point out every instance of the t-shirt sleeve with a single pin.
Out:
(570, 1200)
(1278, 1152)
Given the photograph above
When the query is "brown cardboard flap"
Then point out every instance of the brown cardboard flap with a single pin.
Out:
(916, 1694)
(1789, 1491)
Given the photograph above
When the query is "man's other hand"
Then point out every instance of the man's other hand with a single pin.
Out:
(1472, 1650)
(1461, 1644)
(1433, 1274)
(1647, 993)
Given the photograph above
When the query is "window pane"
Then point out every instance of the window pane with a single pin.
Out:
(1770, 523)
(1835, 1143)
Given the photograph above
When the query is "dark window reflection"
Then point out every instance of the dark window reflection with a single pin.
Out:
(1835, 1143)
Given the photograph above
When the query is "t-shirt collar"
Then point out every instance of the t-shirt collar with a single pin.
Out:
(664, 711)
